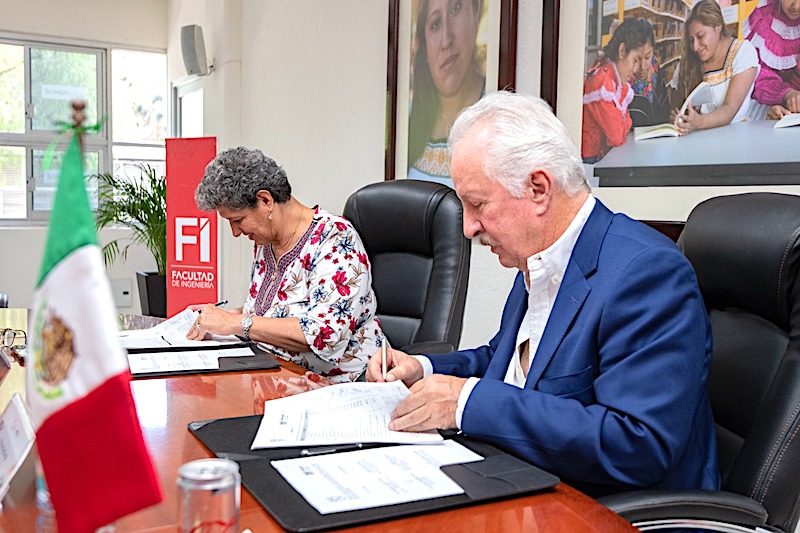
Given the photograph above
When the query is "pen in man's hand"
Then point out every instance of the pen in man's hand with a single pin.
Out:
(306, 452)
(383, 358)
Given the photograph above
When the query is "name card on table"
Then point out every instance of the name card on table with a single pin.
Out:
(16, 440)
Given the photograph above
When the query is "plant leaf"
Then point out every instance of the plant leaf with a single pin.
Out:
(138, 203)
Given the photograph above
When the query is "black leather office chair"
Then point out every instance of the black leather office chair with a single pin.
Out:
(746, 251)
(413, 234)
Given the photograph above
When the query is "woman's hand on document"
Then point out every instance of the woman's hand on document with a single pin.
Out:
(215, 320)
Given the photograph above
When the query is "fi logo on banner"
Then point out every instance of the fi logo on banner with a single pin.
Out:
(182, 238)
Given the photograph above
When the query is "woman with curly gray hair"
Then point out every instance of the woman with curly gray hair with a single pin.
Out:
(310, 299)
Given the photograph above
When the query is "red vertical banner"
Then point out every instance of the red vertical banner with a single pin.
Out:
(191, 233)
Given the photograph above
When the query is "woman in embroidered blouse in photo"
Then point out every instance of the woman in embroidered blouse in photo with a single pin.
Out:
(712, 54)
(606, 93)
(310, 299)
(448, 76)
(774, 29)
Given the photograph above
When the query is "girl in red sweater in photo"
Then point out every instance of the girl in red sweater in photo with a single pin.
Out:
(606, 93)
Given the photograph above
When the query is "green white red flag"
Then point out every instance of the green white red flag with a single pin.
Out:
(91, 446)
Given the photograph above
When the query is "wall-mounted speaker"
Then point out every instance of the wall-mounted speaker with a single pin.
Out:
(194, 50)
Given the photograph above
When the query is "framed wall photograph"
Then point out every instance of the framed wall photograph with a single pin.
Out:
(657, 107)
(443, 56)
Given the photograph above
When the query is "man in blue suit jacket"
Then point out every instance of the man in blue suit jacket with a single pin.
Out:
(598, 373)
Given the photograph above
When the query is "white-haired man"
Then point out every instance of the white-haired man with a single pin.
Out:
(598, 372)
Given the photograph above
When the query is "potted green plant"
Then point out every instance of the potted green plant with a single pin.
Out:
(140, 204)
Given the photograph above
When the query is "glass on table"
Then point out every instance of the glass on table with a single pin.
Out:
(209, 496)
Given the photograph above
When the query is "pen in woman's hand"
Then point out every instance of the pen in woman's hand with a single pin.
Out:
(218, 304)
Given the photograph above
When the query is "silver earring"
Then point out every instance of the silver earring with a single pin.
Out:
(270, 216)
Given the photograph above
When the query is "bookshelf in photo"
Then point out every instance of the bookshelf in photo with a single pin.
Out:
(667, 18)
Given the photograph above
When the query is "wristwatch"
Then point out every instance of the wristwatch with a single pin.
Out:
(246, 323)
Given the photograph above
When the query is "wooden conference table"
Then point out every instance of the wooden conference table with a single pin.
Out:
(166, 405)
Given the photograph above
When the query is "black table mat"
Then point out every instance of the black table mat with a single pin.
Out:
(499, 476)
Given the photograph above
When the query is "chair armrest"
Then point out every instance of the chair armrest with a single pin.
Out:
(428, 347)
(722, 506)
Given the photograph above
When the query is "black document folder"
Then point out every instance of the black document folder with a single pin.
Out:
(211, 346)
(262, 360)
(498, 476)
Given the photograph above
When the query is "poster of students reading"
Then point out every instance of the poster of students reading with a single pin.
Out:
(671, 67)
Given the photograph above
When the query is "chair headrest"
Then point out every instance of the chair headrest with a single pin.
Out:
(745, 251)
(401, 214)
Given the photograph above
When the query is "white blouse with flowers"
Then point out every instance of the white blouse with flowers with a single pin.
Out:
(325, 282)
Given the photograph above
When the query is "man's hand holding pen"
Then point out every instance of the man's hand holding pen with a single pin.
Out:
(433, 400)
(399, 366)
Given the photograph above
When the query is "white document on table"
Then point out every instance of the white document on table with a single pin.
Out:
(152, 362)
(375, 477)
(16, 440)
(170, 333)
(337, 414)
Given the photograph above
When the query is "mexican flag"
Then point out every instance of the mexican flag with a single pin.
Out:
(94, 457)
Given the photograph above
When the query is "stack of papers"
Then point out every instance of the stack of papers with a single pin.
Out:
(165, 349)
(347, 413)
(376, 477)
(171, 334)
(333, 481)
(16, 440)
(183, 361)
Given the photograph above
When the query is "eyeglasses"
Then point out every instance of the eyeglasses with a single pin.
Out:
(7, 339)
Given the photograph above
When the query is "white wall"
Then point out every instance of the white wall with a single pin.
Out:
(21, 250)
(142, 23)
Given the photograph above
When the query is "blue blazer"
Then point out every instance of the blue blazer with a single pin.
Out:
(616, 395)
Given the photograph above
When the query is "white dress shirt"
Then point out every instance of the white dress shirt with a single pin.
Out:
(543, 280)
